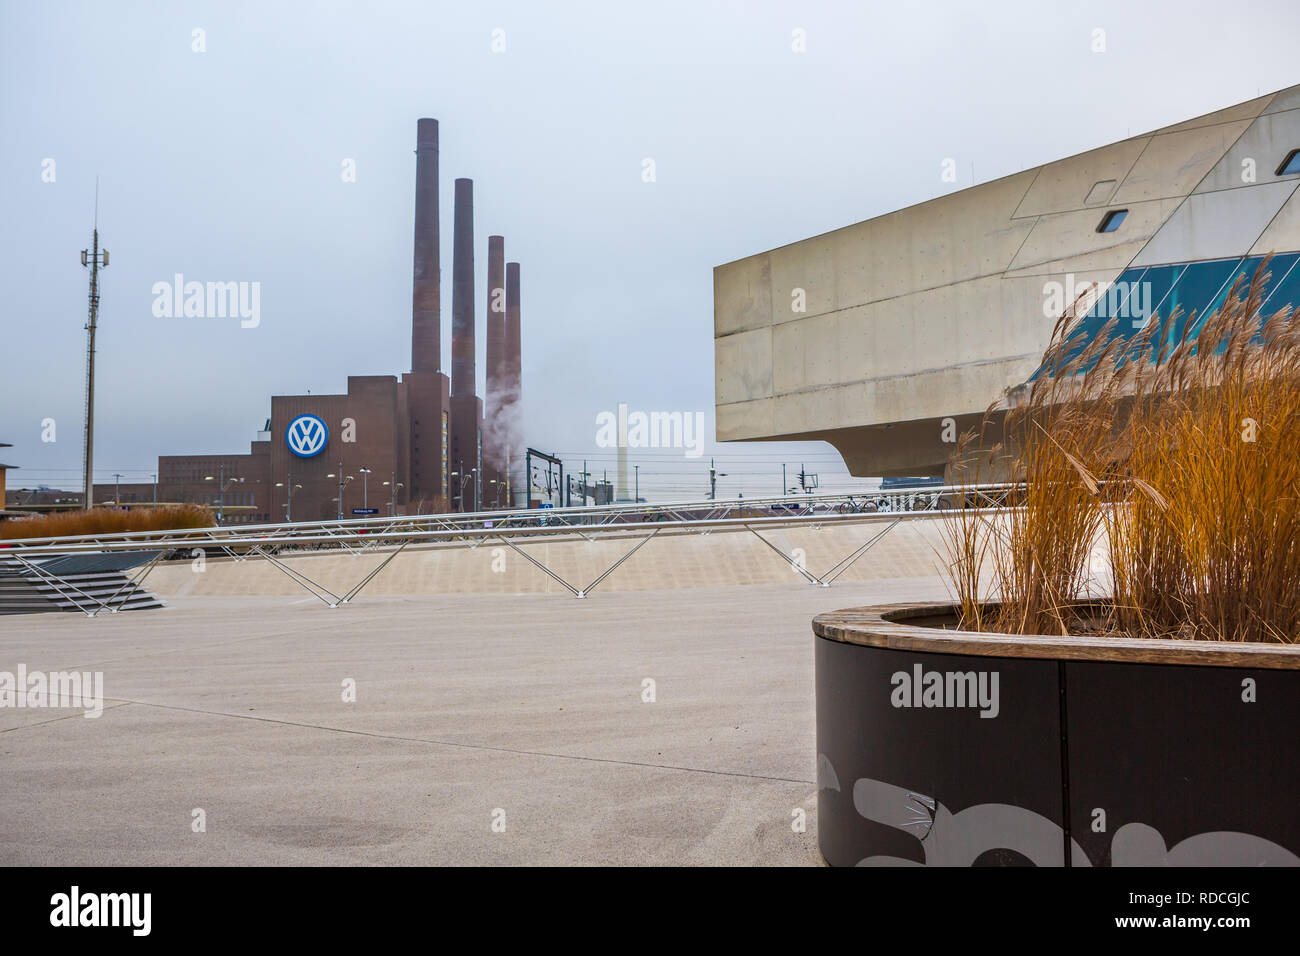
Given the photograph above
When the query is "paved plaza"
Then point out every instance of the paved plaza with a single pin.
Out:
(634, 727)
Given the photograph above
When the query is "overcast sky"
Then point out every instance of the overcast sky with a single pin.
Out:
(226, 165)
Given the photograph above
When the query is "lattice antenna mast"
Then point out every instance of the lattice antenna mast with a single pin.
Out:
(92, 258)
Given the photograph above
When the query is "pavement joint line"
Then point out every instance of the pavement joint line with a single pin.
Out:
(449, 743)
(54, 720)
(195, 647)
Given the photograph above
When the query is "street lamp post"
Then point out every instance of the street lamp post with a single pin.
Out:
(460, 489)
(474, 474)
(395, 484)
(342, 482)
(365, 487)
(221, 490)
(636, 495)
(288, 506)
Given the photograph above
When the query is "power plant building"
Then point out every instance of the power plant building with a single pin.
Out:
(417, 443)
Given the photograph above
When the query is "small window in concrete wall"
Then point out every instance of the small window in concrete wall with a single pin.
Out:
(1100, 193)
(1291, 165)
(1111, 221)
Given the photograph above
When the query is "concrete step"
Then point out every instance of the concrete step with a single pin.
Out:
(23, 591)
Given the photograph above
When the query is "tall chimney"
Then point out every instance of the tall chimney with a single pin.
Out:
(462, 291)
(496, 347)
(426, 310)
(513, 388)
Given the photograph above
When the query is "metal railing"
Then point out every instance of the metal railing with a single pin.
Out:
(272, 542)
(546, 520)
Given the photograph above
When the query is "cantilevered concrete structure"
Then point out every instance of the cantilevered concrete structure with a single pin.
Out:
(937, 310)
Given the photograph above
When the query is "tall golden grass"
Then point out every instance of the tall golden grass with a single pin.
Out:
(107, 521)
(1177, 456)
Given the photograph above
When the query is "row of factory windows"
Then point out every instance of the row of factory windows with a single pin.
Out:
(231, 500)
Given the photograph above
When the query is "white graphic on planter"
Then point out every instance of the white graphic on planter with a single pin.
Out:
(827, 778)
(959, 839)
(1137, 844)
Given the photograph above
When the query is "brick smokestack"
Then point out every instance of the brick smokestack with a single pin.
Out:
(495, 436)
(426, 310)
(513, 390)
(462, 291)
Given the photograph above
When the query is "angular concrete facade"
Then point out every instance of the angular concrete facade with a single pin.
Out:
(870, 336)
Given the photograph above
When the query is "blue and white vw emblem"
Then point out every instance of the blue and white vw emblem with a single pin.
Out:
(306, 436)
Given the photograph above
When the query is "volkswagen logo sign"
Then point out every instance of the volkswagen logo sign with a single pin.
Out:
(306, 436)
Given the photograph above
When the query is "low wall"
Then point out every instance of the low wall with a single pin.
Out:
(948, 748)
(673, 560)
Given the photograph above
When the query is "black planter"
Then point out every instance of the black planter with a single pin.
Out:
(950, 748)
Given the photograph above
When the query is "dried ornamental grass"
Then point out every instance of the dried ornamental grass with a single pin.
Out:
(107, 521)
(1180, 455)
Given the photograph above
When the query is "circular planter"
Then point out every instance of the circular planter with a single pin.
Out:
(954, 748)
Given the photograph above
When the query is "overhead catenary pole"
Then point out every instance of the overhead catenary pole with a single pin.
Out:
(552, 462)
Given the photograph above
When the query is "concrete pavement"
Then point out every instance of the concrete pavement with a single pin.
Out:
(525, 711)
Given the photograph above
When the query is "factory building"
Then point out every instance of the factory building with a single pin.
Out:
(413, 444)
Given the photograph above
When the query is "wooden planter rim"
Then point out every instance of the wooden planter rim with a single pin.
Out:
(886, 625)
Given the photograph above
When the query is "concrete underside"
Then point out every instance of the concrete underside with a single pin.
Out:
(531, 704)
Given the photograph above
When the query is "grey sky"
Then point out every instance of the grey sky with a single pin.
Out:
(225, 165)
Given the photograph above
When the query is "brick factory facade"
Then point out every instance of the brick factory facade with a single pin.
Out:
(394, 445)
